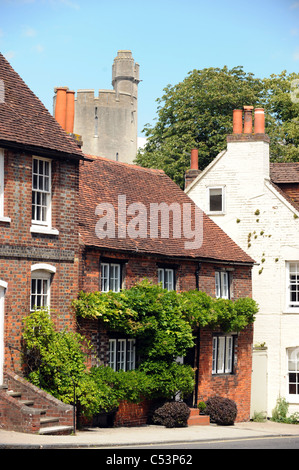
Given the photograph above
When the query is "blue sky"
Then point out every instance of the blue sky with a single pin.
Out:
(74, 42)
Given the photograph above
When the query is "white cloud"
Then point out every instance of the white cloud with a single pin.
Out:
(29, 33)
(295, 5)
(9, 55)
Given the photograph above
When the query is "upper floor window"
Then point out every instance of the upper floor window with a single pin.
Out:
(110, 277)
(216, 199)
(166, 277)
(223, 354)
(2, 218)
(293, 286)
(222, 284)
(41, 191)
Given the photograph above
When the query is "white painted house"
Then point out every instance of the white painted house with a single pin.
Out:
(244, 194)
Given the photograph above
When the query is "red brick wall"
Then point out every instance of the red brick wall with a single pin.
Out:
(138, 267)
(20, 249)
(236, 386)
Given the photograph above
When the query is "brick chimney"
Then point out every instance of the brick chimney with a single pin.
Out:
(243, 125)
(64, 111)
(193, 172)
(248, 145)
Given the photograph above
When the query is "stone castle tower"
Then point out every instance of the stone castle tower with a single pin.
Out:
(107, 123)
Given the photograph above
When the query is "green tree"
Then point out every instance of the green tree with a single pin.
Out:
(281, 102)
(197, 113)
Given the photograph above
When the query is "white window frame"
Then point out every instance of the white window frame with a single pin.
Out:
(2, 218)
(292, 306)
(293, 368)
(166, 277)
(41, 273)
(122, 354)
(39, 180)
(222, 282)
(223, 354)
(110, 277)
(212, 188)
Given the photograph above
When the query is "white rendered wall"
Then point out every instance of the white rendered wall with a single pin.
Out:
(262, 222)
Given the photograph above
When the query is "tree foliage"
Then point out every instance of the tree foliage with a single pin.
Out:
(197, 113)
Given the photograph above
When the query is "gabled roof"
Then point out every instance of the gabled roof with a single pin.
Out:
(25, 122)
(284, 172)
(103, 181)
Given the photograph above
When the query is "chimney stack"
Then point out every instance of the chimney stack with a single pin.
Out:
(194, 171)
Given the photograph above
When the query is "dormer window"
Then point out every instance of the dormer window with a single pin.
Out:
(216, 200)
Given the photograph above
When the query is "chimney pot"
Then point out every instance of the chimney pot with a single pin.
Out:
(248, 119)
(194, 159)
(259, 121)
(70, 111)
(237, 121)
(60, 106)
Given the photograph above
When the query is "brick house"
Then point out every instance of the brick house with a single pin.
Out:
(52, 246)
(115, 258)
(39, 170)
(256, 203)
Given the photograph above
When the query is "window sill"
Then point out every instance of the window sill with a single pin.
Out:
(43, 230)
(5, 219)
(216, 213)
(291, 310)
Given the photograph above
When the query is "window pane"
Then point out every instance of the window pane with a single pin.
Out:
(220, 354)
(105, 277)
(112, 354)
(121, 355)
(215, 199)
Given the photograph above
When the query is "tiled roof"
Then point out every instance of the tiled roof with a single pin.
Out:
(103, 181)
(24, 120)
(285, 172)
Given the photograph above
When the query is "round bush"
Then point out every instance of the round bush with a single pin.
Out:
(172, 415)
(221, 410)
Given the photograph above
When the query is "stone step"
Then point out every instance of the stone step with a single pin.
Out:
(56, 430)
(47, 420)
(200, 420)
(27, 402)
(13, 394)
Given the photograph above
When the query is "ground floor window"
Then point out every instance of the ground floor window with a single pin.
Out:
(122, 354)
(223, 353)
(293, 372)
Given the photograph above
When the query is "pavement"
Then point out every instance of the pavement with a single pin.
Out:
(145, 436)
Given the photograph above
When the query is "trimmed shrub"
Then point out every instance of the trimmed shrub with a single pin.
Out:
(221, 410)
(172, 415)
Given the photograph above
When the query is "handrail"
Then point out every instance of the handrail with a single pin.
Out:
(42, 361)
